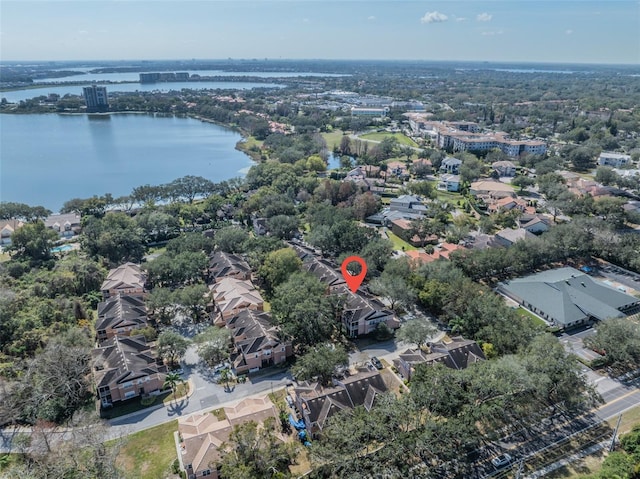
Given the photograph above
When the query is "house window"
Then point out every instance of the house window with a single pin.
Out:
(267, 352)
(129, 394)
(127, 385)
(206, 472)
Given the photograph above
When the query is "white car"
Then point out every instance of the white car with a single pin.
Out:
(503, 460)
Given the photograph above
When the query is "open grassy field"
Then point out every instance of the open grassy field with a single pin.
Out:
(333, 138)
(379, 136)
(149, 454)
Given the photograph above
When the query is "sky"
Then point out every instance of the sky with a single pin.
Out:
(569, 31)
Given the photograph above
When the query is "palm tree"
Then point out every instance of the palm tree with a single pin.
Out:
(172, 380)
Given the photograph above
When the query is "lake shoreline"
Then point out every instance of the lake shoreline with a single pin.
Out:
(113, 156)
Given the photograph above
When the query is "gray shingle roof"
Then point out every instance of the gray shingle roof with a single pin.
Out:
(568, 296)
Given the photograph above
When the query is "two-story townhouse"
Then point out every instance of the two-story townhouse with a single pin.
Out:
(124, 368)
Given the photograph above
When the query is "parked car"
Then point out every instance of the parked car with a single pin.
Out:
(219, 367)
(376, 362)
(503, 460)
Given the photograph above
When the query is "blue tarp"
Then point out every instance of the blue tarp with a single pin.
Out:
(297, 424)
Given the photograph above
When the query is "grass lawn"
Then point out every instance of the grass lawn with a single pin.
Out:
(181, 390)
(398, 243)
(251, 141)
(528, 314)
(449, 197)
(379, 136)
(4, 257)
(629, 419)
(148, 454)
(134, 406)
(333, 138)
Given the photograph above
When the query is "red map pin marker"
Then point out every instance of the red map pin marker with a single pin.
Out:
(354, 281)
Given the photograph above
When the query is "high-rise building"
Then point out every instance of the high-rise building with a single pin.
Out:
(96, 98)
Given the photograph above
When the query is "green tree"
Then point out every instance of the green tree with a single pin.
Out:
(171, 380)
(283, 226)
(619, 339)
(213, 345)
(32, 242)
(303, 310)
(394, 289)
(115, 237)
(523, 182)
(160, 301)
(471, 169)
(231, 239)
(255, 452)
(172, 346)
(192, 300)
(278, 266)
(321, 362)
(416, 331)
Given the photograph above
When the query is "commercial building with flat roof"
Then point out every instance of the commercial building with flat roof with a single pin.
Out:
(569, 298)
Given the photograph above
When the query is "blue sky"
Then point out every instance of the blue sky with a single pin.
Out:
(503, 30)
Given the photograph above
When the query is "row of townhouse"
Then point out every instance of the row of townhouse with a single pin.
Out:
(124, 365)
(237, 305)
(362, 312)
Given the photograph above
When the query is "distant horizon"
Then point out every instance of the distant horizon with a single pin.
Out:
(344, 60)
(541, 31)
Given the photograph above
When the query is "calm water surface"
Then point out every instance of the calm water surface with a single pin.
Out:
(135, 76)
(17, 95)
(48, 159)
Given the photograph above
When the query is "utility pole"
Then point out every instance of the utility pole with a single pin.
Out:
(615, 434)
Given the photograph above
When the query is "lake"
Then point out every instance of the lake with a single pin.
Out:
(48, 159)
(135, 76)
(24, 94)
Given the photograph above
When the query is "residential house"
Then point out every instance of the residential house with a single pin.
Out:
(124, 368)
(454, 353)
(448, 182)
(317, 403)
(397, 168)
(127, 279)
(403, 229)
(66, 225)
(257, 341)
(451, 165)
(615, 160)
(7, 228)
(509, 236)
(200, 435)
(227, 265)
(535, 224)
(504, 168)
(230, 296)
(120, 315)
(409, 204)
(440, 252)
(508, 203)
(492, 189)
(568, 298)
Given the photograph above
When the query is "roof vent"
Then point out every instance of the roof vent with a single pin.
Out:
(583, 285)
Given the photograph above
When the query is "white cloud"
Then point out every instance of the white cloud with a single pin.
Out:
(83, 32)
(371, 18)
(568, 32)
(492, 33)
(484, 17)
(434, 17)
(461, 19)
